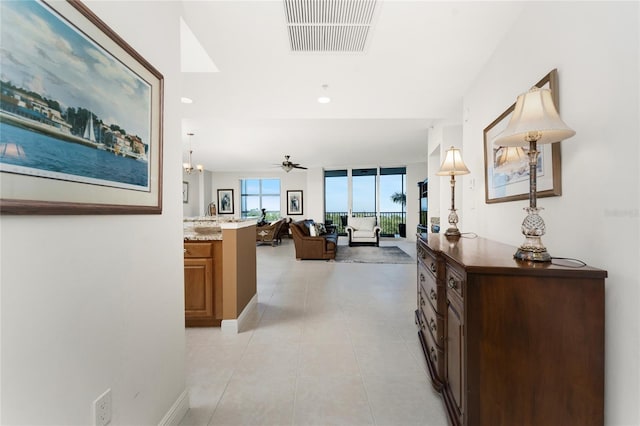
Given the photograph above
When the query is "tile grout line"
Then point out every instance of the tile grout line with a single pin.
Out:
(364, 385)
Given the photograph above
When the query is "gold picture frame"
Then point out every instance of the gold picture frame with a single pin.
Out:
(502, 187)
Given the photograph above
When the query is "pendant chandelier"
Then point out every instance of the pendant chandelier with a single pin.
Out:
(188, 167)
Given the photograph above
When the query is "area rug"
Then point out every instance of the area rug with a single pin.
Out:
(367, 254)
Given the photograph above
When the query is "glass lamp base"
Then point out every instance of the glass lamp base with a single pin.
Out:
(533, 229)
(452, 232)
(532, 254)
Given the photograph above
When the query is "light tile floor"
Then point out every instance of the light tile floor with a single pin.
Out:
(329, 344)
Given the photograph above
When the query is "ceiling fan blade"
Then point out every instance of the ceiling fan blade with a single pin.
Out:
(297, 166)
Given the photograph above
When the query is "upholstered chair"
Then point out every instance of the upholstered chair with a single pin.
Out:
(363, 231)
(269, 233)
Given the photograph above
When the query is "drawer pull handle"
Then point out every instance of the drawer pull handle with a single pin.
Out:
(434, 357)
(432, 325)
(432, 294)
(433, 267)
(452, 283)
(421, 277)
(184, 250)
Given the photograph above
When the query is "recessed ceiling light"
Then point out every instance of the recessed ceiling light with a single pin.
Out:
(186, 100)
(324, 97)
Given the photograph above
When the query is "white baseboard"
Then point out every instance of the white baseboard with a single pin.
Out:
(234, 326)
(177, 411)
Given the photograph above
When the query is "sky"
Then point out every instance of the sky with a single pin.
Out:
(42, 53)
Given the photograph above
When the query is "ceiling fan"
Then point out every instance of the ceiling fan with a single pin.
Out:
(287, 165)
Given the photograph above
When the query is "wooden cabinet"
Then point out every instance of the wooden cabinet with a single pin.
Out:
(198, 288)
(430, 314)
(202, 283)
(523, 342)
(423, 213)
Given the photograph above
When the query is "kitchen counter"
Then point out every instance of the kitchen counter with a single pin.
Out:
(220, 271)
(209, 228)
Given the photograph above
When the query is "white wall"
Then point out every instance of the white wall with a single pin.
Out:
(442, 137)
(200, 193)
(595, 48)
(292, 181)
(314, 196)
(433, 165)
(96, 302)
(192, 207)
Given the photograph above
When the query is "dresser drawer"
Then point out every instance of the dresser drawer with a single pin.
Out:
(454, 280)
(435, 324)
(428, 284)
(428, 259)
(198, 250)
(434, 353)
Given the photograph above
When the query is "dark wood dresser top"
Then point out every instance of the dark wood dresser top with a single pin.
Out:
(480, 255)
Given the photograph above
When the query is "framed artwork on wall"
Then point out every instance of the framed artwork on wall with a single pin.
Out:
(514, 184)
(81, 123)
(225, 201)
(185, 192)
(294, 202)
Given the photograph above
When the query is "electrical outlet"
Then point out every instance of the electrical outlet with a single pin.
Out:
(102, 409)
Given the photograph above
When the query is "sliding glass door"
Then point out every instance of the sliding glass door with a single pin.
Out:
(379, 192)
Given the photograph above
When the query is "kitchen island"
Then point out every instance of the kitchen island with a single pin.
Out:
(219, 272)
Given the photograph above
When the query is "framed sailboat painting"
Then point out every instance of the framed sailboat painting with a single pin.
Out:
(80, 115)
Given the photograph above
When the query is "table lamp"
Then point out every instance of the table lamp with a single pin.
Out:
(535, 120)
(452, 166)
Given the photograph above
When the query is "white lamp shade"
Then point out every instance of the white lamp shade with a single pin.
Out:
(534, 118)
(453, 164)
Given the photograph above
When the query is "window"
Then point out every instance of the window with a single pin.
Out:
(393, 200)
(364, 192)
(393, 189)
(258, 194)
(336, 196)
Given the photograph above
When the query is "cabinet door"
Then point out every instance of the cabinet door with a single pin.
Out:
(454, 354)
(198, 288)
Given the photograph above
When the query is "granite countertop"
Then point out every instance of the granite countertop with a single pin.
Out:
(207, 228)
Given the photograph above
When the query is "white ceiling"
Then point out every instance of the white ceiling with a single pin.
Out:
(421, 58)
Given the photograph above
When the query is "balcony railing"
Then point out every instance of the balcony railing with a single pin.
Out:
(388, 221)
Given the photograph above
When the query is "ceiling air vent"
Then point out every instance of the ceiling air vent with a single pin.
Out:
(329, 25)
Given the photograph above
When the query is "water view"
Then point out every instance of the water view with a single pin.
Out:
(47, 156)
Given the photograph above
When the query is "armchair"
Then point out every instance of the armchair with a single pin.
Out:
(307, 247)
(363, 231)
(269, 233)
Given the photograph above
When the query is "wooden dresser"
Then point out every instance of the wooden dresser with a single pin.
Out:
(510, 342)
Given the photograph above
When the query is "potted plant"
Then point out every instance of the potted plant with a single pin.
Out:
(400, 198)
